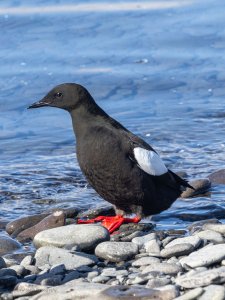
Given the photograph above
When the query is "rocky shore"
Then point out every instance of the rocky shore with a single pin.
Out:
(49, 256)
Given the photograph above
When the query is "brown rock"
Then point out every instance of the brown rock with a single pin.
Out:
(200, 185)
(24, 223)
(217, 177)
(55, 220)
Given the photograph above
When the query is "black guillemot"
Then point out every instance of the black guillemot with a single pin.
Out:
(122, 168)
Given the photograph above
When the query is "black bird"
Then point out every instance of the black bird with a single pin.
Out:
(122, 168)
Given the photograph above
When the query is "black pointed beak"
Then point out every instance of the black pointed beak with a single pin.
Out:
(38, 104)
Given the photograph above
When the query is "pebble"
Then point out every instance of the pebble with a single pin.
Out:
(218, 177)
(116, 251)
(211, 236)
(165, 268)
(27, 260)
(141, 240)
(54, 220)
(213, 292)
(200, 185)
(144, 261)
(193, 240)
(158, 282)
(177, 250)
(215, 227)
(200, 279)
(8, 245)
(152, 247)
(86, 236)
(205, 256)
(192, 294)
(52, 255)
(139, 265)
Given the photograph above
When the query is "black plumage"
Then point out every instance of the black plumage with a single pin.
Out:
(105, 152)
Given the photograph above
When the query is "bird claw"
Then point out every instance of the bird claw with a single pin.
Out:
(111, 223)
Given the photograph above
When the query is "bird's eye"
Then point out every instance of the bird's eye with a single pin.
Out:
(58, 95)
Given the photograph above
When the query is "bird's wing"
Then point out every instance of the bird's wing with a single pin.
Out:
(146, 157)
(150, 162)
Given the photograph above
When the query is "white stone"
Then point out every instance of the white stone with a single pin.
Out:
(210, 235)
(49, 255)
(141, 240)
(86, 236)
(205, 256)
(213, 292)
(193, 240)
(200, 279)
(191, 295)
(116, 251)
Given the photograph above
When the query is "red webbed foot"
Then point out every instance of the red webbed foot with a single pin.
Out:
(111, 223)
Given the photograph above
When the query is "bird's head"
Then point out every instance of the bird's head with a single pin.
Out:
(67, 96)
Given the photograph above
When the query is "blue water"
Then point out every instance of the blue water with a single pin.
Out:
(160, 71)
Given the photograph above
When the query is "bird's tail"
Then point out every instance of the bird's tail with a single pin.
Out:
(182, 182)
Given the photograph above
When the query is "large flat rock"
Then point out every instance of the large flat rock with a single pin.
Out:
(86, 236)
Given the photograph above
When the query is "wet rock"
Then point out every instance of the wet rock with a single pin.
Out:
(116, 251)
(192, 294)
(8, 245)
(8, 281)
(7, 272)
(215, 227)
(205, 256)
(200, 279)
(213, 292)
(55, 220)
(145, 227)
(52, 280)
(177, 250)
(211, 236)
(15, 258)
(24, 223)
(95, 212)
(200, 185)
(197, 226)
(86, 236)
(193, 240)
(217, 177)
(164, 268)
(2, 263)
(140, 241)
(129, 237)
(144, 261)
(49, 255)
(71, 276)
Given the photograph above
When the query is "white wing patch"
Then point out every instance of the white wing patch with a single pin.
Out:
(149, 161)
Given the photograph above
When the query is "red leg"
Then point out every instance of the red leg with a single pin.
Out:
(111, 223)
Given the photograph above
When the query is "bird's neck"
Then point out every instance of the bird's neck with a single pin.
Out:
(84, 119)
